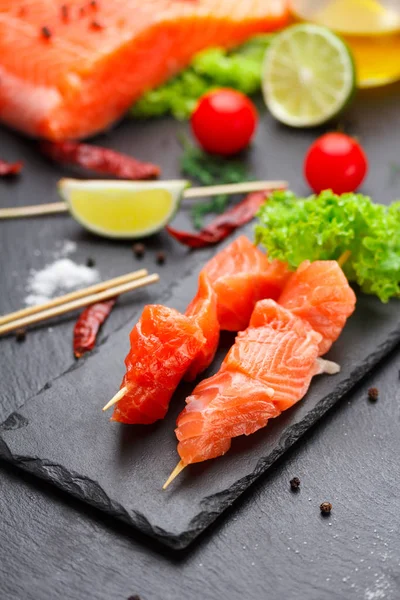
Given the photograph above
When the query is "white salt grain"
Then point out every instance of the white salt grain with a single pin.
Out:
(59, 277)
(68, 247)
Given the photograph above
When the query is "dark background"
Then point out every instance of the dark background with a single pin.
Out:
(272, 544)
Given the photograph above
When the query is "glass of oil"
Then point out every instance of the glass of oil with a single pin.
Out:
(370, 27)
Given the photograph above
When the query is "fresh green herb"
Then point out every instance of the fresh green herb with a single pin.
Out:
(323, 227)
(239, 69)
(209, 169)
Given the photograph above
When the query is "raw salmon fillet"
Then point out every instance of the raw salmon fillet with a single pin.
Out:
(163, 345)
(319, 293)
(203, 309)
(241, 275)
(268, 369)
(68, 73)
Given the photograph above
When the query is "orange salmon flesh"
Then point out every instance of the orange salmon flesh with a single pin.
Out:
(70, 69)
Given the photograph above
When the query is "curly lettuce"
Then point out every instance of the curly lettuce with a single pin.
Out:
(326, 226)
(239, 69)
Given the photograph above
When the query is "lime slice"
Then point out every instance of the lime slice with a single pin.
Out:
(122, 209)
(308, 75)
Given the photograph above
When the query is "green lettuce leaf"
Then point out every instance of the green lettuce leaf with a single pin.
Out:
(239, 69)
(323, 227)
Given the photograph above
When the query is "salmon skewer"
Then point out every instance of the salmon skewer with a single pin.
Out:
(163, 345)
(267, 371)
(238, 276)
(270, 366)
(70, 69)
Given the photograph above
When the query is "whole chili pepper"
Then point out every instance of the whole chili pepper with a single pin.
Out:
(223, 225)
(98, 159)
(7, 168)
(88, 325)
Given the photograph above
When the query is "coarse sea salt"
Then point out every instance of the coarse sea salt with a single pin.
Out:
(61, 276)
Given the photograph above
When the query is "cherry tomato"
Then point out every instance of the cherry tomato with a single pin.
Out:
(224, 121)
(335, 161)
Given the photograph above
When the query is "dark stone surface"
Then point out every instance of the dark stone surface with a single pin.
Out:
(272, 544)
(52, 547)
(67, 440)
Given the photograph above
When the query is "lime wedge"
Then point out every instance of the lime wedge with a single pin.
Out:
(122, 209)
(308, 75)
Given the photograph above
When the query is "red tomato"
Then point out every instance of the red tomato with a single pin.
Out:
(335, 161)
(224, 121)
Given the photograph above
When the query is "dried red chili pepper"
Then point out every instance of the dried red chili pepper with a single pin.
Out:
(7, 168)
(98, 159)
(223, 225)
(88, 325)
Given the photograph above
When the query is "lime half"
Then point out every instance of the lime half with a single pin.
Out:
(308, 75)
(122, 209)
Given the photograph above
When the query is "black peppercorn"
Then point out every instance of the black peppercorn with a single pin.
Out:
(373, 394)
(20, 334)
(160, 258)
(45, 33)
(325, 508)
(295, 483)
(90, 262)
(138, 250)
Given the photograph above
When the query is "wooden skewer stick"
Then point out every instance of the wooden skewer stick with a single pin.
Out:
(179, 467)
(33, 211)
(79, 303)
(343, 258)
(189, 193)
(118, 396)
(233, 188)
(93, 289)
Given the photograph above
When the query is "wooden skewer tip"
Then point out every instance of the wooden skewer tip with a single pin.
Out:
(343, 258)
(179, 467)
(118, 396)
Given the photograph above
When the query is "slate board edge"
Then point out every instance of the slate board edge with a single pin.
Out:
(91, 492)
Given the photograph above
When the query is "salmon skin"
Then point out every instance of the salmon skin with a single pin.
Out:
(70, 69)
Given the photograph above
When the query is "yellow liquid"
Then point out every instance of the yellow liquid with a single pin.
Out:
(370, 27)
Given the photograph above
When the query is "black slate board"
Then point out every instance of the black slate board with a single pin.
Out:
(62, 435)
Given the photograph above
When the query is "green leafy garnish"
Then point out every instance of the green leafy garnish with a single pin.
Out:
(209, 169)
(323, 227)
(239, 69)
